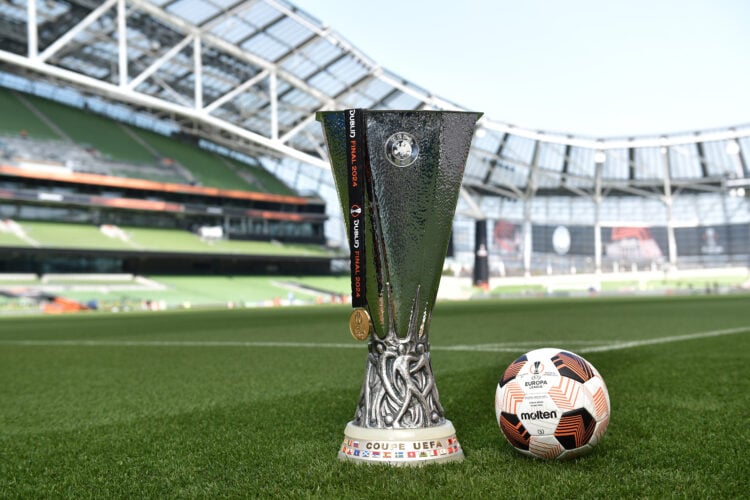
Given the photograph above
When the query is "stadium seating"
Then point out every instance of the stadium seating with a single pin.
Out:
(17, 119)
(94, 131)
(49, 151)
(90, 237)
(206, 168)
(94, 143)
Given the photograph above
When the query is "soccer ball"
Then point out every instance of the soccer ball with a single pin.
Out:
(553, 404)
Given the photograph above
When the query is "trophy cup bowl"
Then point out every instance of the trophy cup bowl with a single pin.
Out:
(398, 176)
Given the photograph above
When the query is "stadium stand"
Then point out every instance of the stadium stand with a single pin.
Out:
(18, 120)
(49, 247)
(104, 137)
(199, 78)
(64, 163)
(110, 237)
(97, 144)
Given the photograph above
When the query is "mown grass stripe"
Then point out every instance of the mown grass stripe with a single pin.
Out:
(173, 343)
(501, 347)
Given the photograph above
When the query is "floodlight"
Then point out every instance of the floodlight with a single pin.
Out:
(733, 148)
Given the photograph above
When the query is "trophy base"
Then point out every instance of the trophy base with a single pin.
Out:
(401, 447)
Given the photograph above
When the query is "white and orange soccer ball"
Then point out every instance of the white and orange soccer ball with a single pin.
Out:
(553, 404)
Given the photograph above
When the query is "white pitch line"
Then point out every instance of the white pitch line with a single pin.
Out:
(513, 346)
(501, 347)
(666, 340)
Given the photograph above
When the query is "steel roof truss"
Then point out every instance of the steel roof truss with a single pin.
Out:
(158, 63)
(78, 28)
(237, 91)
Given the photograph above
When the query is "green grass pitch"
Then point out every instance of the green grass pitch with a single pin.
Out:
(254, 402)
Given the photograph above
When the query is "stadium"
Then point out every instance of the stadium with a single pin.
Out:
(161, 158)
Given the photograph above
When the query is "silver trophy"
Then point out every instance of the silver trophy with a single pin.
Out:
(398, 175)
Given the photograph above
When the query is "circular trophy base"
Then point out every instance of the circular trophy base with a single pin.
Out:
(401, 447)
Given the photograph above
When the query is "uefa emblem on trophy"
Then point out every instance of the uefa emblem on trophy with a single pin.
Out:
(398, 175)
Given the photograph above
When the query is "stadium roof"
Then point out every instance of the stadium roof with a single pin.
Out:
(250, 74)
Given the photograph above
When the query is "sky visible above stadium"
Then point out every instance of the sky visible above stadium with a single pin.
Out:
(583, 67)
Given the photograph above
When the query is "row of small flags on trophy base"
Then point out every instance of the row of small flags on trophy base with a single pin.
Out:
(352, 448)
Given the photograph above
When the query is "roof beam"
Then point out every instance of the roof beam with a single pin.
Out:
(148, 101)
(304, 43)
(702, 159)
(32, 35)
(227, 47)
(508, 192)
(237, 91)
(607, 144)
(159, 62)
(231, 10)
(122, 43)
(78, 28)
(566, 158)
(383, 99)
(261, 30)
(499, 154)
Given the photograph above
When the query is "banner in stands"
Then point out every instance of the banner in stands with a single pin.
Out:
(563, 239)
(729, 239)
(507, 238)
(626, 243)
(635, 243)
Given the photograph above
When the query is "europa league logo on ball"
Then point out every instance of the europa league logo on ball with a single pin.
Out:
(398, 236)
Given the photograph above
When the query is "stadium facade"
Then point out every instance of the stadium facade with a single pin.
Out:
(246, 78)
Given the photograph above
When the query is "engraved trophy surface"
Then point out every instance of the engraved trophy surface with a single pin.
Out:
(398, 175)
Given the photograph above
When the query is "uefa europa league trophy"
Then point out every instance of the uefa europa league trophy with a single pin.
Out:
(398, 175)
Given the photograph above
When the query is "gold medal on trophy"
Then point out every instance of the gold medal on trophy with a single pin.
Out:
(359, 324)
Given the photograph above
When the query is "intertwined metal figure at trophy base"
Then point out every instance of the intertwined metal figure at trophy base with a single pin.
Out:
(398, 175)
